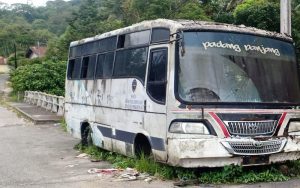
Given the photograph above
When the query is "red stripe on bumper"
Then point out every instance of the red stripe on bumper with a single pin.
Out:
(221, 124)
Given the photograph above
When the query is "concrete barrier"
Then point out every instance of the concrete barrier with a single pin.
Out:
(49, 102)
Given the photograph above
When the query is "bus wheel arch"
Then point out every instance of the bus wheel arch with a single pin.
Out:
(142, 145)
(85, 131)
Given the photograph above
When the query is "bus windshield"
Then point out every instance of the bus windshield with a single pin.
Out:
(232, 67)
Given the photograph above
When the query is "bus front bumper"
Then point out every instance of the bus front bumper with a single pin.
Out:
(191, 153)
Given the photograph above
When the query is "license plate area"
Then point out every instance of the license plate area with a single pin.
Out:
(255, 160)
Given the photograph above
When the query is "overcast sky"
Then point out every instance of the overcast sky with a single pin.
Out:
(34, 2)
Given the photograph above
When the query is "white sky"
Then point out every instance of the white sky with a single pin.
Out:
(34, 2)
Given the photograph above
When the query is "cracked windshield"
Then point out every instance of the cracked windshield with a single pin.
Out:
(231, 67)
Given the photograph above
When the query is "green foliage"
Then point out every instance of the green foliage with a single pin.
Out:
(227, 174)
(248, 4)
(263, 15)
(44, 76)
(63, 125)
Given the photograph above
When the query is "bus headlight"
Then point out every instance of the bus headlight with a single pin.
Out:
(294, 128)
(189, 128)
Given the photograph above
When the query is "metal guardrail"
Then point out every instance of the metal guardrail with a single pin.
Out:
(49, 102)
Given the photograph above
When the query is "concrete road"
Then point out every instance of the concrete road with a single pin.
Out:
(43, 156)
(3, 79)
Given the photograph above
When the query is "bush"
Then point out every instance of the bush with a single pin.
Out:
(47, 76)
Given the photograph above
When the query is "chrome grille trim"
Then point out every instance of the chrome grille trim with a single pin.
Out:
(253, 147)
(251, 128)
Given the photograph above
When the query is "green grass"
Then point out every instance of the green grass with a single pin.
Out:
(16, 97)
(63, 125)
(226, 175)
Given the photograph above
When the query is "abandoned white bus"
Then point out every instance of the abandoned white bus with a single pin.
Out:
(192, 93)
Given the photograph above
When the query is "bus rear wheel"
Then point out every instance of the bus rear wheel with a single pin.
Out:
(86, 135)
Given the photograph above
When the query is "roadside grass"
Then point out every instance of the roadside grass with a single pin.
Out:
(16, 97)
(63, 125)
(226, 175)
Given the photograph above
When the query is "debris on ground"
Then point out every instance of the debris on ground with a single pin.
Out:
(83, 155)
(71, 165)
(104, 171)
(128, 174)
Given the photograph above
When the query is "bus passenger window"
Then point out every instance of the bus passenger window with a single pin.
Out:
(157, 81)
(88, 67)
(84, 67)
(108, 44)
(104, 65)
(160, 35)
(70, 68)
(131, 63)
(74, 69)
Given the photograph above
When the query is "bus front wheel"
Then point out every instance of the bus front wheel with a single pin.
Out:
(142, 146)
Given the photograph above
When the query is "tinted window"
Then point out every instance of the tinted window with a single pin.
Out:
(84, 67)
(131, 63)
(158, 63)
(105, 65)
(156, 85)
(137, 38)
(108, 44)
(91, 67)
(88, 67)
(74, 68)
(75, 51)
(70, 68)
(160, 35)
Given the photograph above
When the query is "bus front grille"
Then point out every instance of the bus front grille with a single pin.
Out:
(252, 147)
(251, 128)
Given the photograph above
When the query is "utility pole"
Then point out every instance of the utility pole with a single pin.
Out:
(16, 63)
(285, 17)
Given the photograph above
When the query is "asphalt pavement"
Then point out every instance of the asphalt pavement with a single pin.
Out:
(43, 156)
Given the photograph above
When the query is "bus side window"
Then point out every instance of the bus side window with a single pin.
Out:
(105, 65)
(88, 67)
(91, 67)
(74, 69)
(157, 77)
(131, 63)
(70, 68)
(84, 67)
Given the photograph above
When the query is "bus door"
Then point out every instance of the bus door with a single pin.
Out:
(155, 103)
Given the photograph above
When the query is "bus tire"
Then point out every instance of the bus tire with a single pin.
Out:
(86, 135)
(142, 146)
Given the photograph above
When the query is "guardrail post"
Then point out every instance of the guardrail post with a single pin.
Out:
(61, 106)
(49, 102)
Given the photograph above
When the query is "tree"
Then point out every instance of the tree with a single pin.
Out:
(261, 14)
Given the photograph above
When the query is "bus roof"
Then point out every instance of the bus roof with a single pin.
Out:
(177, 25)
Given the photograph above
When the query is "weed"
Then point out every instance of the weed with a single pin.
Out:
(63, 125)
(227, 174)
(16, 97)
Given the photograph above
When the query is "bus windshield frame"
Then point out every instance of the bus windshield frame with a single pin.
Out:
(234, 52)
